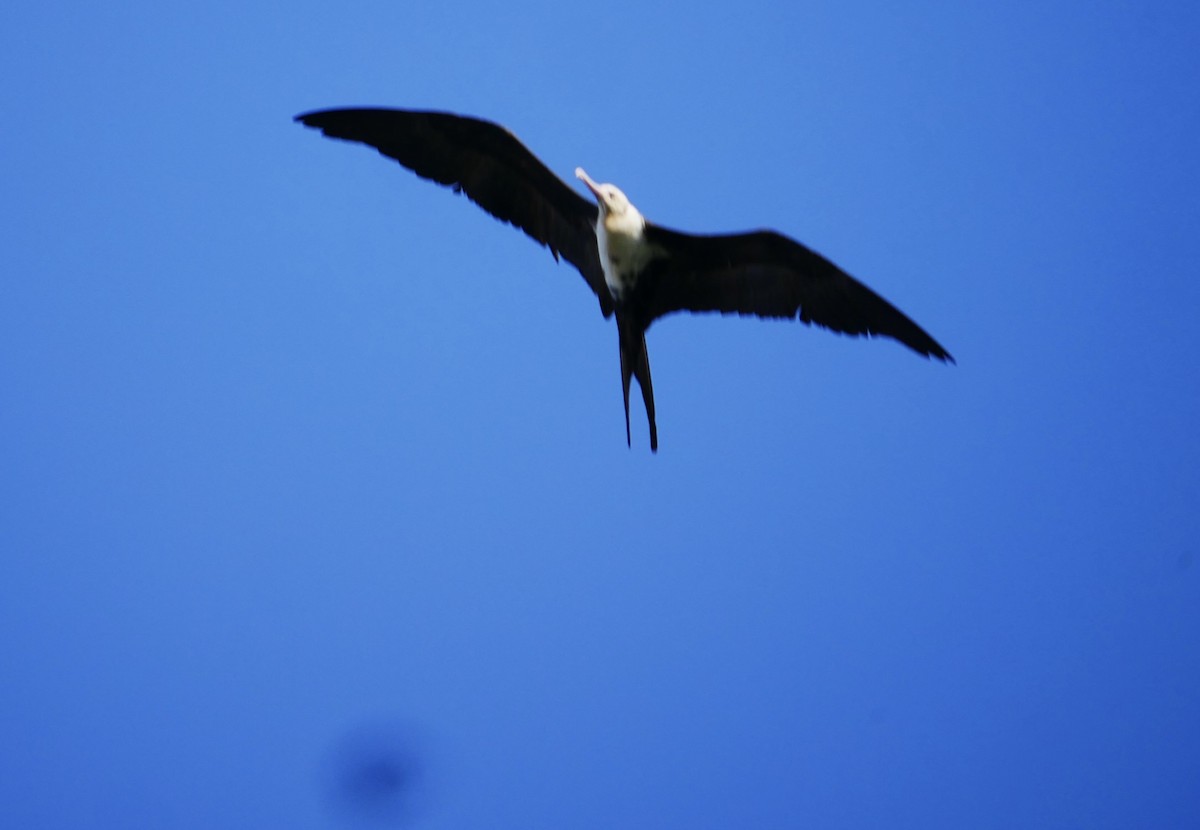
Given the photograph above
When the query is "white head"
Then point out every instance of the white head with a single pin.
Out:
(610, 198)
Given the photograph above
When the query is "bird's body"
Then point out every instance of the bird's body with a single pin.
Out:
(638, 270)
(620, 238)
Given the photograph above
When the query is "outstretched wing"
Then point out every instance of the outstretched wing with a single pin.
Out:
(490, 165)
(767, 274)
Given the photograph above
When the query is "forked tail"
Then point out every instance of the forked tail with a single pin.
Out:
(635, 362)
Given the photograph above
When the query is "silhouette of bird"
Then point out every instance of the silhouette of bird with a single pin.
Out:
(639, 271)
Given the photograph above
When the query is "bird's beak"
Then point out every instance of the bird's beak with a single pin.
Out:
(591, 185)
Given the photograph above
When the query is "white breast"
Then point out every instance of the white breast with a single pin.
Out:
(624, 252)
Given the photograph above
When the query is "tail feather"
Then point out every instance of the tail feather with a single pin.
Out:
(635, 363)
(626, 373)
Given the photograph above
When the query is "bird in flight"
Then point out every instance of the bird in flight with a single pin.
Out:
(639, 271)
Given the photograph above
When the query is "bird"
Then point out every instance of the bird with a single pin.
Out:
(639, 271)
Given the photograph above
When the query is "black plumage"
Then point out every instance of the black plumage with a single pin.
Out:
(761, 273)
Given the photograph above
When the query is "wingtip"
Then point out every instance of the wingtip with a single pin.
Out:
(930, 349)
(312, 118)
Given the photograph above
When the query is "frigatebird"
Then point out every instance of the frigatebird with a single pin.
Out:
(638, 270)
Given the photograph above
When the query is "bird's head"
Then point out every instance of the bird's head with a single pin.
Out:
(610, 198)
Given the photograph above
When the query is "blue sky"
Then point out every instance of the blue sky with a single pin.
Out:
(316, 508)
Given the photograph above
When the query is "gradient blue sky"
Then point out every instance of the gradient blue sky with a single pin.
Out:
(312, 472)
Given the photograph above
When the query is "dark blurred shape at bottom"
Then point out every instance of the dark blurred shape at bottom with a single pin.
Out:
(374, 775)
